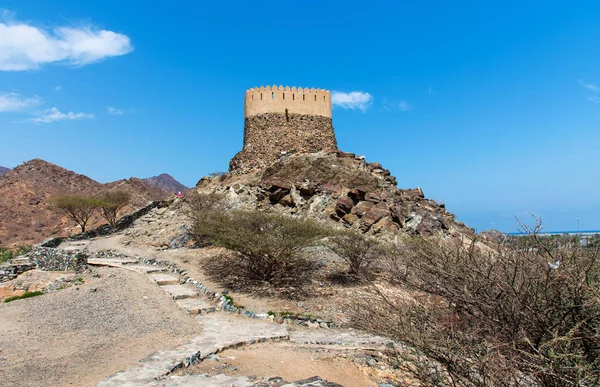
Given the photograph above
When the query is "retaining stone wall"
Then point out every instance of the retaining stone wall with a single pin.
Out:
(51, 259)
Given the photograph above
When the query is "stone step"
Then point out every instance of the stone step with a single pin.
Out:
(20, 261)
(195, 305)
(113, 262)
(164, 279)
(178, 292)
(144, 269)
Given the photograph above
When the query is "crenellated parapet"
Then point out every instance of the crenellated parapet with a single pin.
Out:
(279, 99)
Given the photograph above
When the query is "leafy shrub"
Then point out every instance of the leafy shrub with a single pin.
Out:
(269, 247)
(524, 314)
(23, 296)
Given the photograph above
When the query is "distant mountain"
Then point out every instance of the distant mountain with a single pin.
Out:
(24, 199)
(3, 170)
(166, 182)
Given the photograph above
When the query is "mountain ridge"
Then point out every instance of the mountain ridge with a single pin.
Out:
(166, 182)
(25, 194)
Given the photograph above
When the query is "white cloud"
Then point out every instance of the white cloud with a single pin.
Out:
(353, 100)
(53, 114)
(405, 106)
(594, 99)
(27, 47)
(590, 86)
(114, 111)
(11, 102)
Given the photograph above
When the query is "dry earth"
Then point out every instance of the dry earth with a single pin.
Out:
(78, 336)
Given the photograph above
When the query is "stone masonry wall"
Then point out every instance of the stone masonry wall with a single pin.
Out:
(269, 136)
(51, 259)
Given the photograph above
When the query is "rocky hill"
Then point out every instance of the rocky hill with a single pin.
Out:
(3, 170)
(340, 188)
(24, 199)
(166, 182)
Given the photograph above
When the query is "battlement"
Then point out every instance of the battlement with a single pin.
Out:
(279, 99)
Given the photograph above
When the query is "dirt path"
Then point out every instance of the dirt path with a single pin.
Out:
(78, 336)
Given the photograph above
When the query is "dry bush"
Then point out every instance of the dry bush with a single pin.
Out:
(358, 251)
(269, 247)
(496, 319)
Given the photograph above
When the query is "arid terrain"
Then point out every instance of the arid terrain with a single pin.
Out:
(121, 317)
(25, 191)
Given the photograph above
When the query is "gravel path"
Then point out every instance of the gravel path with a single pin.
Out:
(79, 336)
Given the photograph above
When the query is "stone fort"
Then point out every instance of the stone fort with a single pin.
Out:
(281, 121)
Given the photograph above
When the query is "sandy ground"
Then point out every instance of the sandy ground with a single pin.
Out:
(288, 362)
(31, 281)
(79, 335)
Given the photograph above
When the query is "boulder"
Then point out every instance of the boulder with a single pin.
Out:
(373, 197)
(345, 154)
(373, 166)
(307, 189)
(349, 219)
(358, 193)
(287, 201)
(377, 212)
(274, 185)
(399, 212)
(425, 224)
(277, 195)
(363, 207)
(344, 205)
(385, 223)
(413, 193)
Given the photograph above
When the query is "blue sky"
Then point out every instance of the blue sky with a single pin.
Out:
(491, 107)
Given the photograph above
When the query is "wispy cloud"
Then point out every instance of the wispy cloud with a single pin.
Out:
(58, 88)
(12, 102)
(394, 105)
(590, 86)
(53, 114)
(355, 100)
(26, 47)
(594, 99)
(114, 111)
(405, 106)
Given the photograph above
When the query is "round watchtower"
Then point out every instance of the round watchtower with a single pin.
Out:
(282, 121)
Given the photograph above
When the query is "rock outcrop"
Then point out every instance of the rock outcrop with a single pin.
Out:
(340, 188)
(3, 170)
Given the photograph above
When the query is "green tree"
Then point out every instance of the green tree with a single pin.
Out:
(111, 203)
(79, 209)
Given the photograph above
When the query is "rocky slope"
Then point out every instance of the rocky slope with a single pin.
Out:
(166, 182)
(340, 188)
(3, 170)
(24, 199)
